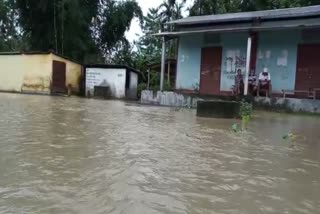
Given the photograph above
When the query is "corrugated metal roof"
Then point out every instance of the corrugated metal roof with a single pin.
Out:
(247, 16)
(241, 27)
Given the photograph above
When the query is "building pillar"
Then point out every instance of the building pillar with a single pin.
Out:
(169, 75)
(163, 63)
(254, 50)
(246, 78)
(148, 86)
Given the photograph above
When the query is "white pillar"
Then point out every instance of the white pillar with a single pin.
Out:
(246, 78)
(163, 62)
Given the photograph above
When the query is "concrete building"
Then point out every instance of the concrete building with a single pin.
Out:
(212, 48)
(111, 81)
(39, 73)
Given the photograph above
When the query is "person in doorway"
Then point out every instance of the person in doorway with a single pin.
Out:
(252, 82)
(239, 83)
(264, 82)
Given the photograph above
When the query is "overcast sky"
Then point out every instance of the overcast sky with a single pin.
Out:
(145, 5)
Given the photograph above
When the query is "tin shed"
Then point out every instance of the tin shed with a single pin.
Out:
(114, 81)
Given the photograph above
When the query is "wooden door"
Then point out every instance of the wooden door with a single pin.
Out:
(210, 70)
(58, 77)
(308, 67)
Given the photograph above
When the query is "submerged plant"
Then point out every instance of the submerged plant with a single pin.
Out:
(245, 113)
(235, 128)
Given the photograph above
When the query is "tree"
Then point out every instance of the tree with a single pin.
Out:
(149, 45)
(10, 39)
(85, 30)
(60, 25)
(112, 23)
(170, 10)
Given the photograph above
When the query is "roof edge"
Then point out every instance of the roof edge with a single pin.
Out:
(112, 66)
(39, 53)
(292, 12)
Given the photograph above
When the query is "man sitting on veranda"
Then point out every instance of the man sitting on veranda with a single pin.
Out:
(252, 82)
(264, 82)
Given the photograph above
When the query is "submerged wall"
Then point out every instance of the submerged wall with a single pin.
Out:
(32, 73)
(73, 73)
(25, 73)
(289, 105)
(168, 98)
(114, 78)
(276, 50)
(188, 63)
(189, 58)
(174, 99)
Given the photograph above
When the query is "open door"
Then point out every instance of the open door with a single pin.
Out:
(210, 71)
(58, 77)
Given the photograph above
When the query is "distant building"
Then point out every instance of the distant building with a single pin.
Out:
(170, 70)
(39, 73)
(212, 48)
(111, 81)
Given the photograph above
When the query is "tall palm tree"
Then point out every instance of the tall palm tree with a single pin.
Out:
(170, 10)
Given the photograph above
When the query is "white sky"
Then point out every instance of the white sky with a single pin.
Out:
(145, 5)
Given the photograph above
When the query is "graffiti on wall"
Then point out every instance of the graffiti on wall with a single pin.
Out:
(233, 62)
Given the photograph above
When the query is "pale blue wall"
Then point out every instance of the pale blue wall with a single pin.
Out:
(232, 43)
(189, 58)
(277, 42)
(188, 65)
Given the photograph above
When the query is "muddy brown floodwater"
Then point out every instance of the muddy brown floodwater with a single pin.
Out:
(72, 155)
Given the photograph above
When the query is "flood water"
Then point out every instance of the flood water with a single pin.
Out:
(72, 155)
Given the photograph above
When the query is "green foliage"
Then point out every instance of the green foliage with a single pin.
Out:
(245, 113)
(167, 86)
(115, 15)
(141, 87)
(245, 109)
(10, 37)
(60, 25)
(148, 45)
(80, 29)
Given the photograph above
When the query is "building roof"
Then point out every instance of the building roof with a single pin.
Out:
(287, 13)
(243, 27)
(112, 66)
(158, 64)
(39, 53)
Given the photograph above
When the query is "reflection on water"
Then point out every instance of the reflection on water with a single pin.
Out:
(70, 155)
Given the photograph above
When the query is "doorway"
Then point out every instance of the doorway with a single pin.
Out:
(210, 71)
(58, 78)
(308, 68)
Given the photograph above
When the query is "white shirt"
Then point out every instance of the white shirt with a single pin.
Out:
(252, 79)
(264, 78)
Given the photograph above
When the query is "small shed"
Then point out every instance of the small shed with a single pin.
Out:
(170, 71)
(111, 81)
(39, 73)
